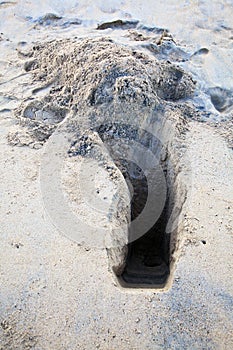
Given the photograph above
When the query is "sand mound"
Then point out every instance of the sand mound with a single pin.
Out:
(109, 97)
(87, 76)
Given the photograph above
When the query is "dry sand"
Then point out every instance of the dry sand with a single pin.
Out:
(58, 289)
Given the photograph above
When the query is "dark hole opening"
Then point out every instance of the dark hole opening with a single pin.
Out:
(148, 257)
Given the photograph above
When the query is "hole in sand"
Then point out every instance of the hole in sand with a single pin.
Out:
(148, 257)
(150, 254)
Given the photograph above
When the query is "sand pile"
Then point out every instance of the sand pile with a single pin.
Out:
(99, 92)
(87, 76)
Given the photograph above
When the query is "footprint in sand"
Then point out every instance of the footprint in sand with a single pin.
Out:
(222, 99)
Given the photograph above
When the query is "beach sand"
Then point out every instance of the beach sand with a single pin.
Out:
(71, 69)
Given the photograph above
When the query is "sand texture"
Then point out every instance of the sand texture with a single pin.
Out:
(116, 175)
